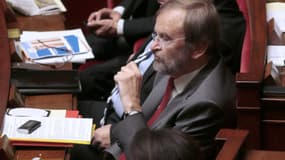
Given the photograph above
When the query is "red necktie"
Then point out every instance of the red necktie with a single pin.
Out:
(122, 156)
(163, 102)
(160, 108)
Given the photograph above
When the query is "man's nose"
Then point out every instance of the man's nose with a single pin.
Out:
(155, 46)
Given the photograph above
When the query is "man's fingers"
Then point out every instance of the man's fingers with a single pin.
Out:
(104, 27)
(102, 31)
(91, 16)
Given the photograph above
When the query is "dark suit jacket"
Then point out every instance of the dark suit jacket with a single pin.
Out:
(142, 22)
(232, 30)
(139, 23)
(198, 110)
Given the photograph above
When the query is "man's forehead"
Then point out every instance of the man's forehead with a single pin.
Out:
(170, 21)
(171, 16)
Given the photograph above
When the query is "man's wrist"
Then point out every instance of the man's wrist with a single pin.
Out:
(130, 113)
(119, 9)
(120, 27)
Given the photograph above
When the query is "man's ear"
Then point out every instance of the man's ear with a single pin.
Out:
(199, 50)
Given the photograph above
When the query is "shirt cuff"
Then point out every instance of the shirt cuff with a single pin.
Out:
(120, 27)
(119, 9)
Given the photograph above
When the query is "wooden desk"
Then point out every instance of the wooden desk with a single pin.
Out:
(38, 23)
(53, 101)
(41, 23)
(264, 155)
(4, 66)
(28, 153)
(45, 23)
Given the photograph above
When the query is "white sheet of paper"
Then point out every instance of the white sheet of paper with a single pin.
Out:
(276, 54)
(62, 130)
(276, 10)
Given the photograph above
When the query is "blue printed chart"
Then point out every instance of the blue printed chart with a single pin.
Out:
(54, 47)
(50, 47)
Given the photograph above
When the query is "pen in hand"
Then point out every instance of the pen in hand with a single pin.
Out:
(145, 55)
(142, 57)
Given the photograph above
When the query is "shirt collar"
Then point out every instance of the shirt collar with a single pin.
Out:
(181, 82)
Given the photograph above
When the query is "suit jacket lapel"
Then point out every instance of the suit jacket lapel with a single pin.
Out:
(188, 91)
(195, 83)
(154, 98)
(148, 74)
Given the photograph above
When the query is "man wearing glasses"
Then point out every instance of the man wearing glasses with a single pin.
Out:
(232, 30)
(97, 80)
(185, 47)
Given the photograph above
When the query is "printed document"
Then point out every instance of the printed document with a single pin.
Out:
(38, 7)
(276, 10)
(275, 54)
(52, 129)
(54, 47)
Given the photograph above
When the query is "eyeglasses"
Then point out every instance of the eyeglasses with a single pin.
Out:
(162, 41)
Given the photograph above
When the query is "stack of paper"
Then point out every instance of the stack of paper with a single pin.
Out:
(275, 54)
(38, 7)
(276, 11)
(54, 47)
(53, 129)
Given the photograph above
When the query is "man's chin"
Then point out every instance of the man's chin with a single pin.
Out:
(158, 67)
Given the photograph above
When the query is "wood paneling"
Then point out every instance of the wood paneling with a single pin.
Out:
(4, 64)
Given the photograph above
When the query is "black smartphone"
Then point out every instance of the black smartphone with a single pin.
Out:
(29, 126)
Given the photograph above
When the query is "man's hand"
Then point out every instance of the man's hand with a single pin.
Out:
(104, 13)
(101, 137)
(104, 22)
(105, 28)
(129, 81)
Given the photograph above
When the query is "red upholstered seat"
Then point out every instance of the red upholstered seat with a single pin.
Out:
(137, 46)
(112, 3)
